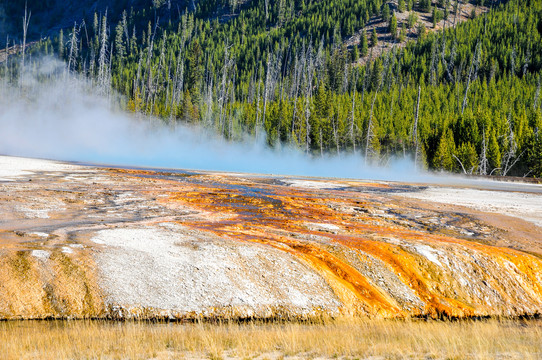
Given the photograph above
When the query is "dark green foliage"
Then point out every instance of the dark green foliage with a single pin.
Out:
(412, 20)
(290, 74)
(401, 6)
(424, 5)
(374, 38)
(386, 13)
(363, 44)
(393, 26)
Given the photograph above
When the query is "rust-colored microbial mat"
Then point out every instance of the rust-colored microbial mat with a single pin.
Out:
(118, 243)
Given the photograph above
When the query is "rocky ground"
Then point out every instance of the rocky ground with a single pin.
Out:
(80, 241)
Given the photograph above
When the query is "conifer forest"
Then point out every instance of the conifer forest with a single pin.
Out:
(451, 84)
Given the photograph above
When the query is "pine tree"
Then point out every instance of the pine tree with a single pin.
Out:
(355, 54)
(443, 159)
(61, 44)
(402, 33)
(534, 154)
(401, 6)
(386, 13)
(421, 31)
(195, 71)
(425, 5)
(374, 38)
(119, 42)
(493, 153)
(412, 20)
(467, 158)
(393, 26)
(363, 44)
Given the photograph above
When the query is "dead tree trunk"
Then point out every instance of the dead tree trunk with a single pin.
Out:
(26, 21)
(482, 166)
(415, 130)
(473, 73)
(352, 114)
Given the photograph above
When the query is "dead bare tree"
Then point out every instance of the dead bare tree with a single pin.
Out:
(371, 136)
(537, 94)
(433, 66)
(209, 103)
(258, 103)
(148, 69)
(6, 60)
(510, 157)
(178, 80)
(266, 85)
(345, 78)
(335, 134)
(26, 22)
(484, 162)
(298, 67)
(72, 57)
(450, 65)
(231, 114)
(351, 132)
(513, 62)
(473, 74)
(460, 163)
(415, 129)
(308, 95)
(223, 95)
(103, 73)
(526, 62)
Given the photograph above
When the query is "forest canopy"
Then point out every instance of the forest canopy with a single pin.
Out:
(455, 96)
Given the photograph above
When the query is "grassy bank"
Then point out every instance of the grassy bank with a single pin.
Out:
(350, 339)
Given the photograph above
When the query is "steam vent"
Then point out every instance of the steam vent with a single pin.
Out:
(88, 242)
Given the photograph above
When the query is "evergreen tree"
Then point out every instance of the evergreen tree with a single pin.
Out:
(61, 44)
(443, 159)
(195, 71)
(386, 13)
(393, 26)
(119, 42)
(494, 153)
(355, 54)
(374, 38)
(402, 33)
(401, 6)
(363, 44)
(467, 158)
(412, 20)
(425, 5)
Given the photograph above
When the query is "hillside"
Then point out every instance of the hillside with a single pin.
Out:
(49, 16)
(312, 75)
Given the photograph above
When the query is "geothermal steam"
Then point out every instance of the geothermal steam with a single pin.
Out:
(64, 118)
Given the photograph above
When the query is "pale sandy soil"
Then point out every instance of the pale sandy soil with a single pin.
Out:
(12, 167)
(527, 206)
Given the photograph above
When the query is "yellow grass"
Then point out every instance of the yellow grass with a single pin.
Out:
(343, 338)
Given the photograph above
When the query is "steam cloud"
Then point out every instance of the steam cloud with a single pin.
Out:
(63, 118)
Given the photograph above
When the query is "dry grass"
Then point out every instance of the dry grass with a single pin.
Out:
(346, 338)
